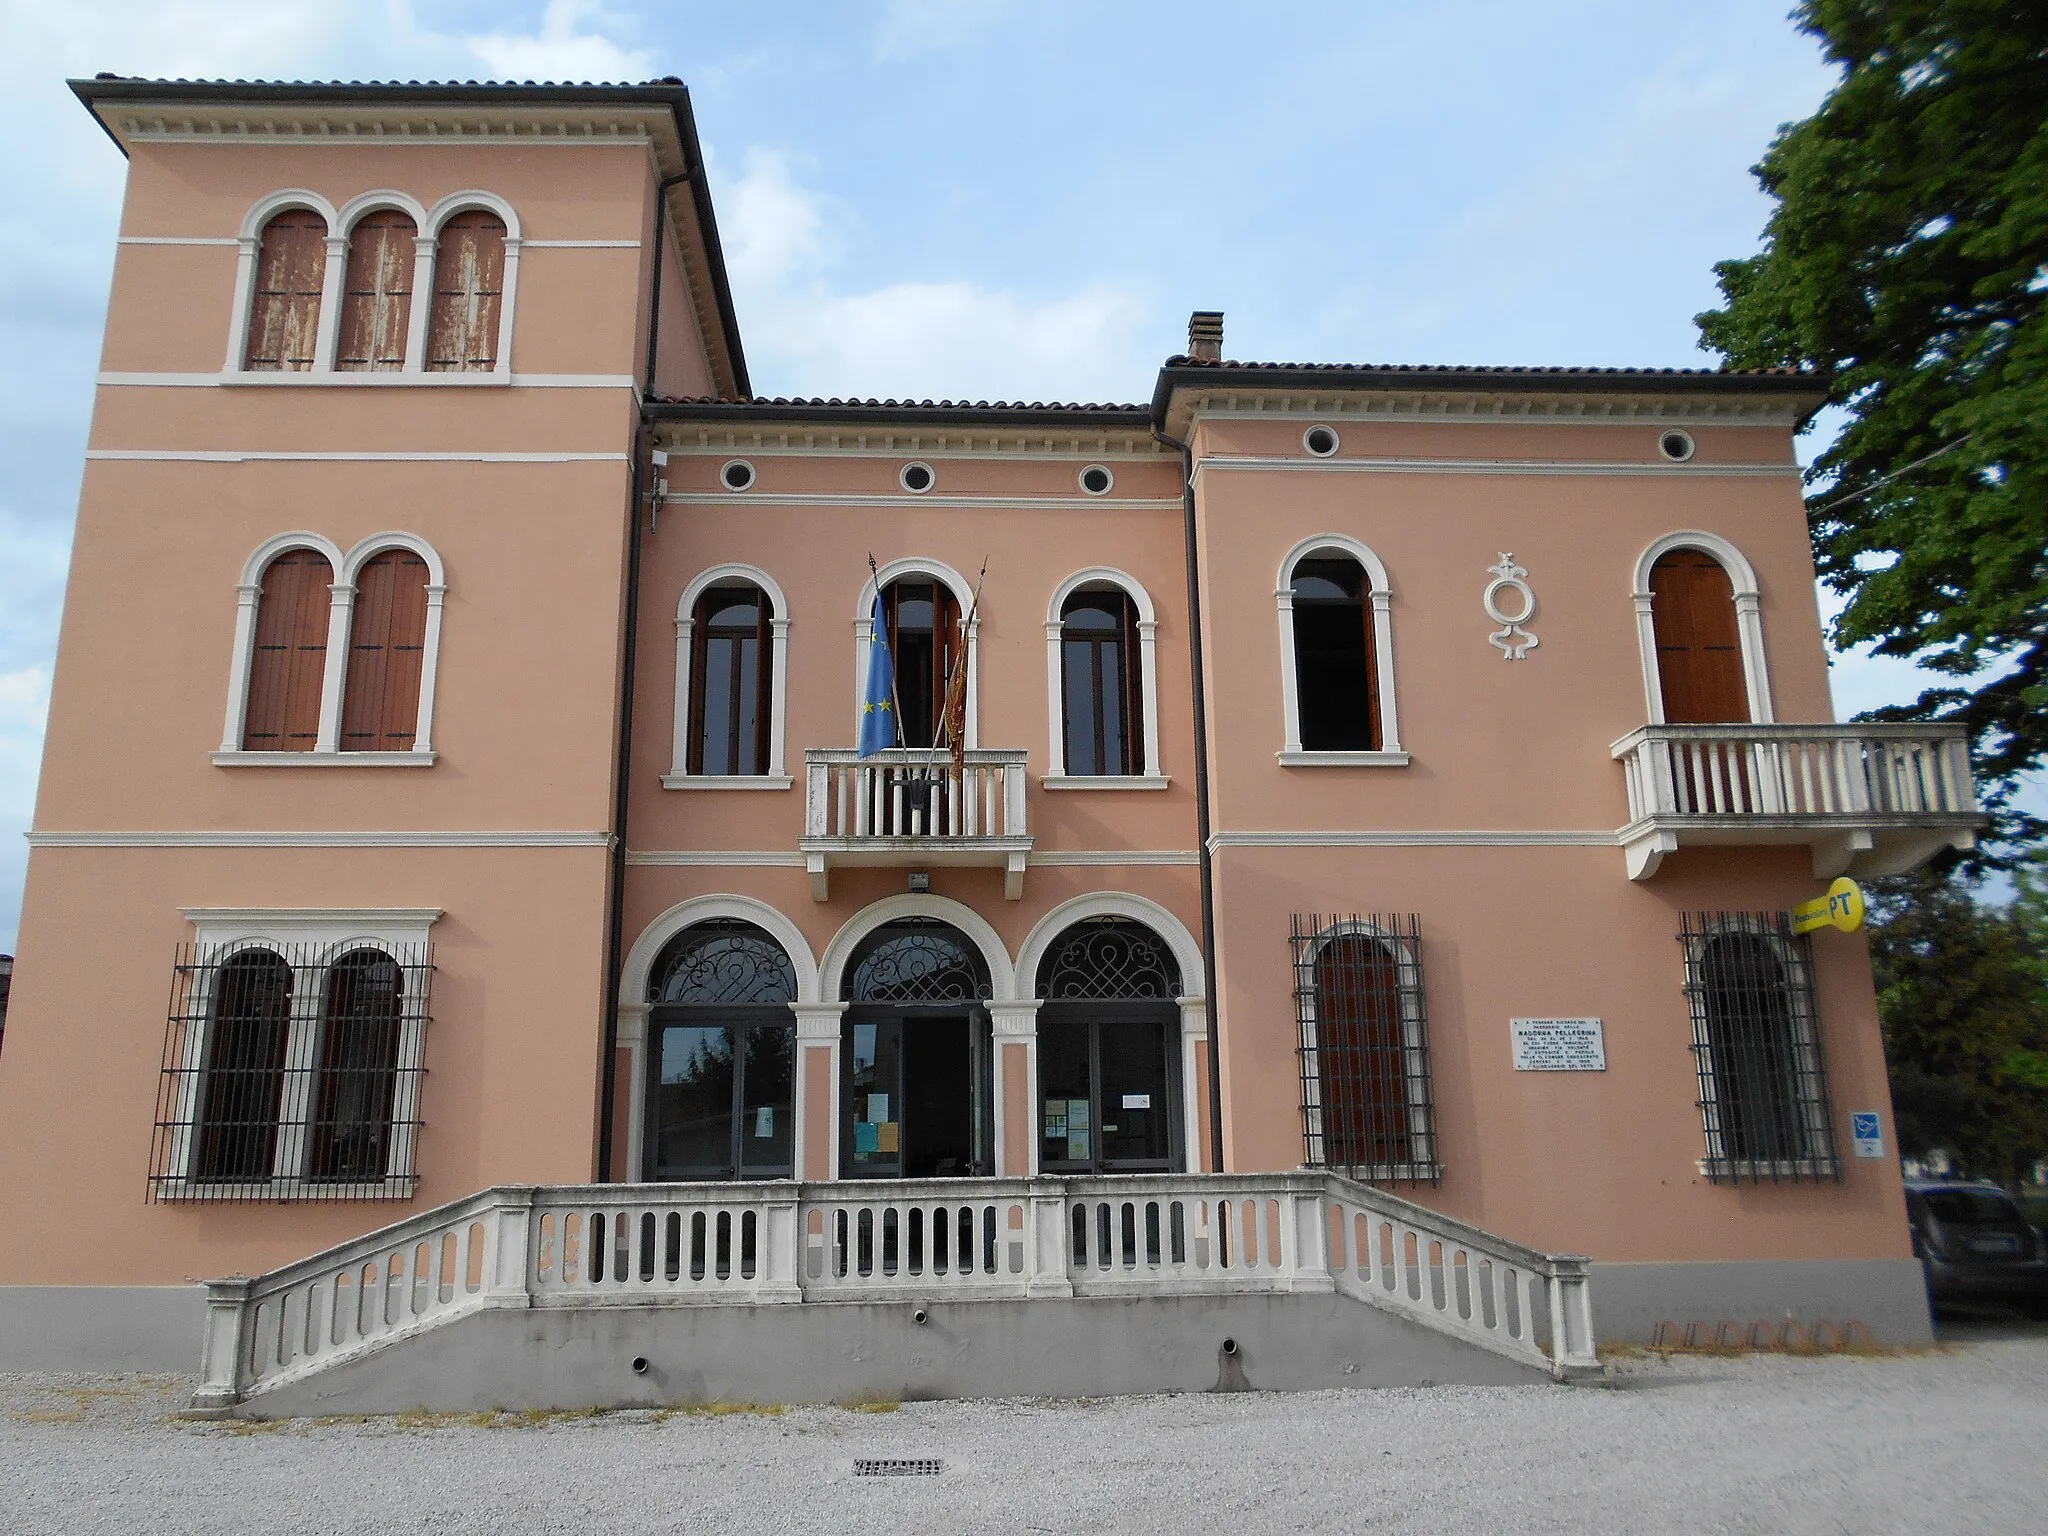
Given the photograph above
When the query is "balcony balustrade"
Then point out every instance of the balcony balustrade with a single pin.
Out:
(1867, 799)
(911, 807)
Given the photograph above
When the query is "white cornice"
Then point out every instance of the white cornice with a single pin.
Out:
(342, 455)
(989, 503)
(1430, 837)
(897, 440)
(223, 838)
(1365, 402)
(775, 858)
(393, 380)
(1421, 466)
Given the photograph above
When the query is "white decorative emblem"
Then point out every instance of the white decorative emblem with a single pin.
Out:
(1514, 641)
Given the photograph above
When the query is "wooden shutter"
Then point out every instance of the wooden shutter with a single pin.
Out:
(469, 281)
(1362, 1055)
(387, 644)
(1699, 653)
(284, 316)
(377, 295)
(290, 659)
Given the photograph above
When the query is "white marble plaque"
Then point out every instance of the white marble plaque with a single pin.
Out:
(1559, 1045)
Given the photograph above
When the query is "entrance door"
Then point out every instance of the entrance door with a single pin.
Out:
(1699, 653)
(913, 1091)
(1108, 1080)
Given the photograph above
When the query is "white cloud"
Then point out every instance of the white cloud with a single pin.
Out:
(559, 51)
(907, 28)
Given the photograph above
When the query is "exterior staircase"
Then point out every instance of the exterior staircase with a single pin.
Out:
(618, 1294)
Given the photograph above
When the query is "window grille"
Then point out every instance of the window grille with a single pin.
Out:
(1366, 1103)
(1109, 957)
(917, 960)
(723, 961)
(1756, 1041)
(291, 1072)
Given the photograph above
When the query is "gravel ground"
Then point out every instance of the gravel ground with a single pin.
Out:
(1946, 1440)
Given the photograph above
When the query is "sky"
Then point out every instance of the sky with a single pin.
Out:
(1016, 199)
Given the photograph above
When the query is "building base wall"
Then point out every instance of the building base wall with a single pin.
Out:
(1888, 1296)
(101, 1327)
(822, 1352)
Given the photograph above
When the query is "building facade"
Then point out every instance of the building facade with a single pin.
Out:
(1401, 771)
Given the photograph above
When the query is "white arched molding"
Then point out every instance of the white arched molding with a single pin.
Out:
(334, 679)
(864, 629)
(1381, 596)
(1194, 1010)
(1749, 623)
(430, 241)
(1099, 577)
(777, 774)
(637, 973)
(249, 241)
(352, 212)
(832, 968)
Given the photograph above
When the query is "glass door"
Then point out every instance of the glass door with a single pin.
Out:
(915, 1087)
(1108, 1089)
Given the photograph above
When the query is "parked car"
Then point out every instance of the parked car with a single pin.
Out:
(1975, 1245)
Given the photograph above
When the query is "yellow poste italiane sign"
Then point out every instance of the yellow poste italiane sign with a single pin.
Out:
(1841, 908)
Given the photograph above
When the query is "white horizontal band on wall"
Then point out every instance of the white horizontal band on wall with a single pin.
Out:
(251, 456)
(775, 858)
(1483, 466)
(990, 503)
(220, 838)
(1427, 838)
(228, 240)
(579, 245)
(1100, 856)
(310, 380)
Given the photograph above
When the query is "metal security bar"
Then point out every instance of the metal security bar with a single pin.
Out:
(291, 1071)
(1756, 1041)
(1366, 1103)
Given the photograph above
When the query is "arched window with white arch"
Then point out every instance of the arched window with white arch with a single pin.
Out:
(1102, 683)
(344, 677)
(284, 299)
(1337, 656)
(380, 272)
(732, 671)
(1699, 623)
(930, 610)
(470, 265)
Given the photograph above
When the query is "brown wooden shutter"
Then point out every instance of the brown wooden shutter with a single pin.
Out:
(387, 644)
(284, 315)
(290, 659)
(469, 279)
(1699, 653)
(377, 295)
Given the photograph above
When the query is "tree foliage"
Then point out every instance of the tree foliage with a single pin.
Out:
(1962, 994)
(1908, 256)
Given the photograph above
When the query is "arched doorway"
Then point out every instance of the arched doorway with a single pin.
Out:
(1108, 1074)
(1699, 646)
(722, 1041)
(916, 1079)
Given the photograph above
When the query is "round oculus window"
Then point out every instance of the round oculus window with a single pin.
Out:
(1676, 446)
(1320, 441)
(917, 478)
(738, 475)
(1096, 480)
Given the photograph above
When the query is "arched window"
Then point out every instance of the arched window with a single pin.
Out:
(358, 1077)
(1366, 1099)
(376, 304)
(917, 960)
(284, 313)
(720, 1100)
(923, 619)
(1336, 675)
(1756, 1040)
(1699, 646)
(1102, 706)
(469, 284)
(386, 650)
(731, 701)
(1109, 1087)
(243, 1092)
(289, 656)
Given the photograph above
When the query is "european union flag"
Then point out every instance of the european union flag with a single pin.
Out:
(878, 703)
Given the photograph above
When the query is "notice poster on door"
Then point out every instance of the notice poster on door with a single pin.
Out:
(878, 1107)
(865, 1141)
(764, 1122)
(888, 1139)
(1055, 1119)
(1078, 1126)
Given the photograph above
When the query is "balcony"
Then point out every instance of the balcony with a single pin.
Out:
(910, 807)
(1867, 799)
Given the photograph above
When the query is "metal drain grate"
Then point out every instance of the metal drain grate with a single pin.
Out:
(875, 1466)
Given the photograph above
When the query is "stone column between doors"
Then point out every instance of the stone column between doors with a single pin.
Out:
(1015, 1028)
(817, 1089)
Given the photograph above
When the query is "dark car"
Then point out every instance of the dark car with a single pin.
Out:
(1975, 1246)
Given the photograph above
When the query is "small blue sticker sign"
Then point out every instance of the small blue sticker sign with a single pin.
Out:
(1869, 1136)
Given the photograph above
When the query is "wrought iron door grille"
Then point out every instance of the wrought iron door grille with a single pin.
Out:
(1366, 1102)
(1756, 1042)
(291, 1071)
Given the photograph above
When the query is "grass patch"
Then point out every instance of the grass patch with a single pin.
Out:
(869, 1404)
(50, 1416)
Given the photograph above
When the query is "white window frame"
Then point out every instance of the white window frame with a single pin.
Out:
(777, 775)
(1749, 623)
(1381, 597)
(1423, 1165)
(1099, 577)
(326, 751)
(864, 629)
(427, 224)
(327, 934)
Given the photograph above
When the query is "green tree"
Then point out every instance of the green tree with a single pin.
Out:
(1908, 257)
(1962, 995)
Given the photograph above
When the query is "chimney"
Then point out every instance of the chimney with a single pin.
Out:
(1205, 335)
